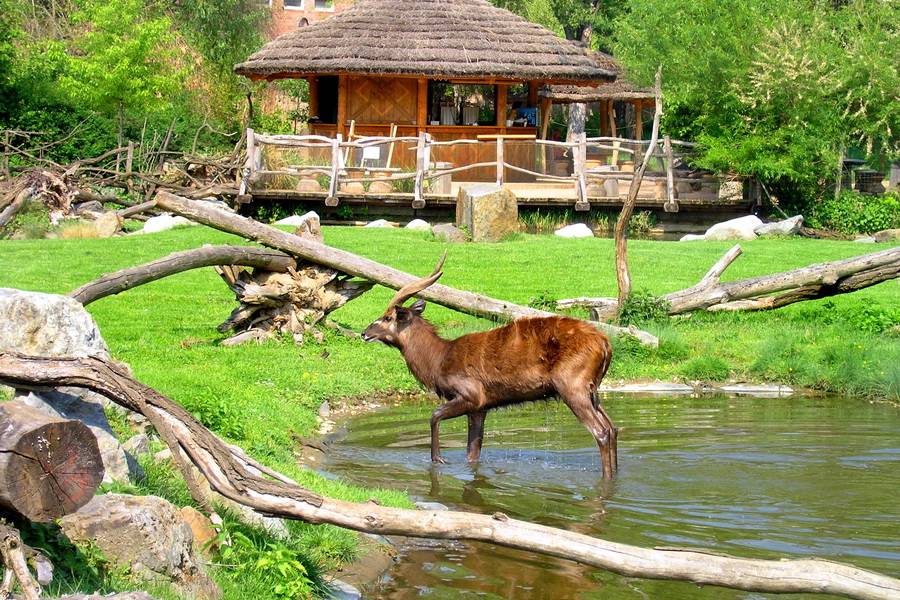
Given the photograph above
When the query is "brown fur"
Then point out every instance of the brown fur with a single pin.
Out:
(528, 359)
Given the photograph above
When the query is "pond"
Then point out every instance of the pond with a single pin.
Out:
(767, 478)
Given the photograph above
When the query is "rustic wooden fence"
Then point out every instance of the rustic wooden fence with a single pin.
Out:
(334, 162)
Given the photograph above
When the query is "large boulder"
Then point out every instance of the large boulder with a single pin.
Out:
(108, 224)
(164, 223)
(54, 326)
(418, 225)
(789, 226)
(489, 211)
(577, 230)
(742, 228)
(145, 534)
(887, 235)
(379, 224)
(447, 232)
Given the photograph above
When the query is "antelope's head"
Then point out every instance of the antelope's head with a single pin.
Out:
(389, 328)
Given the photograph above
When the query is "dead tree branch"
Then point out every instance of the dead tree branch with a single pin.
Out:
(15, 566)
(767, 292)
(120, 281)
(232, 475)
(623, 277)
(346, 262)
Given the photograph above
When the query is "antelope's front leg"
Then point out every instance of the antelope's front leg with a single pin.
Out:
(448, 410)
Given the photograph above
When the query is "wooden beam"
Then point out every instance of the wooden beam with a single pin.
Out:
(343, 90)
(422, 105)
(638, 119)
(313, 103)
(533, 93)
(604, 118)
(501, 107)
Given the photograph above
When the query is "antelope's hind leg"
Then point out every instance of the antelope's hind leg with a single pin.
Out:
(450, 409)
(476, 435)
(596, 421)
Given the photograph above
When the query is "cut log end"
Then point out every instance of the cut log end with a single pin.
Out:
(48, 467)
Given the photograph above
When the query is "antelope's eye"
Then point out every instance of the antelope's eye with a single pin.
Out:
(387, 319)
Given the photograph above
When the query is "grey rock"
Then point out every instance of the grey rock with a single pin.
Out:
(47, 325)
(757, 391)
(658, 387)
(789, 226)
(418, 225)
(145, 534)
(488, 210)
(864, 239)
(341, 590)
(89, 206)
(449, 233)
(325, 410)
(742, 228)
(691, 237)
(164, 223)
(378, 224)
(423, 505)
(887, 235)
(577, 230)
(137, 445)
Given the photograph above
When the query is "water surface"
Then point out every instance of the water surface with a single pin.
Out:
(765, 478)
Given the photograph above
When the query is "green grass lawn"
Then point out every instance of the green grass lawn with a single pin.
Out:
(262, 397)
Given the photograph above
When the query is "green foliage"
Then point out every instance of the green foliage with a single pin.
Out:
(780, 104)
(281, 567)
(215, 414)
(706, 368)
(640, 224)
(643, 307)
(853, 212)
(31, 223)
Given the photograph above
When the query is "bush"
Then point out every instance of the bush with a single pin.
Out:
(642, 306)
(853, 212)
(707, 368)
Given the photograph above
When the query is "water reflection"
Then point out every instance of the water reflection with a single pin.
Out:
(761, 478)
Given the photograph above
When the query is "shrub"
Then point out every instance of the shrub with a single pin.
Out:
(853, 212)
(707, 368)
(642, 306)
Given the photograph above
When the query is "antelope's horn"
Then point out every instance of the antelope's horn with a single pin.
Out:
(411, 289)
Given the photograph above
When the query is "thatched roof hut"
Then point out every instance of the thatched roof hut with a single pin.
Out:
(620, 89)
(437, 39)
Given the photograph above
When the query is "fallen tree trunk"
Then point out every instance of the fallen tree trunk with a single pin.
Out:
(235, 476)
(120, 281)
(467, 302)
(49, 467)
(12, 209)
(767, 292)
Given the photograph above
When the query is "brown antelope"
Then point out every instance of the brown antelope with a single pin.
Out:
(528, 359)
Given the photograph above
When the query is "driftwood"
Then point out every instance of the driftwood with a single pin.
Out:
(623, 277)
(236, 476)
(120, 281)
(49, 467)
(346, 262)
(767, 292)
(15, 565)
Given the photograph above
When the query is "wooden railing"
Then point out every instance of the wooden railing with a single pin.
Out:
(338, 151)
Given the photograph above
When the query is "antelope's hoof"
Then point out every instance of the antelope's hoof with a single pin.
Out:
(438, 459)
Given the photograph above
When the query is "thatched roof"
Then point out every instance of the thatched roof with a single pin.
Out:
(620, 89)
(434, 38)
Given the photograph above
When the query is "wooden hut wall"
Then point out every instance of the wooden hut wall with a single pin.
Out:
(382, 100)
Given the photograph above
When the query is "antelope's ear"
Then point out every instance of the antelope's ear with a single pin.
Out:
(418, 307)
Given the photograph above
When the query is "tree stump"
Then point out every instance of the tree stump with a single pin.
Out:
(49, 467)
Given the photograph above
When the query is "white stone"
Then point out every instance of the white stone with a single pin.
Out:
(341, 590)
(786, 227)
(422, 505)
(164, 223)
(578, 230)
(742, 228)
(691, 237)
(658, 387)
(865, 239)
(757, 391)
(418, 225)
(379, 223)
(297, 220)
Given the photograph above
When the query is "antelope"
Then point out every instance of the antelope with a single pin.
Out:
(528, 359)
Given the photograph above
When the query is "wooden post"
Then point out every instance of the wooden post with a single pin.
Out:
(501, 107)
(421, 167)
(313, 102)
(671, 204)
(244, 187)
(580, 155)
(500, 160)
(336, 166)
(342, 104)
(533, 94)
(422, 105)
(604, 118)
(6, 154)
(129, 163)
(546, 108)
(638, 119)
(390, 156)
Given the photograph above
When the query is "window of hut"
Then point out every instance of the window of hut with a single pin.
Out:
(461, 103)
(327, 90)
(293, 4)
(324, 4)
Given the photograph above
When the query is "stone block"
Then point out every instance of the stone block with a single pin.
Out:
(488, 211)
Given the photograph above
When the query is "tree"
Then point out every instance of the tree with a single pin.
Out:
(125, 57)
